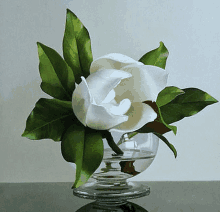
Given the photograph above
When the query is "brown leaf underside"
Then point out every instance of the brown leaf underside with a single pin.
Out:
(156, 125)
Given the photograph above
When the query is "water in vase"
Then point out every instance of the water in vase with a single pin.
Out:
(119, 168)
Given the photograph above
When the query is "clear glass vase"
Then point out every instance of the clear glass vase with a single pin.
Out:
(109, 185)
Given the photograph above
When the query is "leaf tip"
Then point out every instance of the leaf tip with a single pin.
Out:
(75, 185)
(164, 49)
(24, 134)
(175, 153)
(28, 135)
(40, 47)
(174, 130)
(215, 100)
(68, 10)
(161, 43)
(181, 91)
(39, 44)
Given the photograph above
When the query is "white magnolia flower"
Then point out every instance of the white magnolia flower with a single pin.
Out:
(111, 97)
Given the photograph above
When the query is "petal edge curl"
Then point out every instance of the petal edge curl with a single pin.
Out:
(138, 115)
(100, 119)
(81, 100)
(102, 82)
(112, 61)
(145, 84)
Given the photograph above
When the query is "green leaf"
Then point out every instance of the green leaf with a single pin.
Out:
(170, 127)
(77, 46)
(49, 119)
(187, 104)
(158, 125)
(156, 57)
(167, 95)
(84, 147)
(167, 143)
(57, 77)
(72, 143)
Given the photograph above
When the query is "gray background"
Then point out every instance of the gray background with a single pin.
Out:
(189, 29)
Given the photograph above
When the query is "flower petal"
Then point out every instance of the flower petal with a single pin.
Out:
(139, 114)
(110, 97)
(112, 61)
(145, 84)
(102, 82)
(118, 109)
(100, 119)
(81, 100)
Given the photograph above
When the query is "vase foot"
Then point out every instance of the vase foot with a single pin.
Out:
(112, 194)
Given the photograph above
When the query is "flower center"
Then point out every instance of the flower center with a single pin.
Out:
(113, 107)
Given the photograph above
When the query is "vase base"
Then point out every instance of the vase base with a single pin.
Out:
(114, 194)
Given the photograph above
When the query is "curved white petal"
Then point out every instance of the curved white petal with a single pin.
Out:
(102, 82)
(112, 61)
(100, 119)
(138, 115)
(110, 97)
(81, 100)
(118, 109)
(145, 84)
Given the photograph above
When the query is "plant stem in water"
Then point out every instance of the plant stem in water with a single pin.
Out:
(112, 144)
(129, 135)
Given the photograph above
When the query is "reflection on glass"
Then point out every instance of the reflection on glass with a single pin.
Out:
(128, 207)
(109, 185)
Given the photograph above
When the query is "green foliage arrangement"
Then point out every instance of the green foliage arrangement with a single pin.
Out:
(54, 118)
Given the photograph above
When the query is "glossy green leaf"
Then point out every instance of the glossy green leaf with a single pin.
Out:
(167, 143)
(57, 77)
(49, 119)
(170, 127)
(156, 57)
(187, 104)
(77, 46)
(84, 147)
(167, 95)
(158, 125)
(72, 143)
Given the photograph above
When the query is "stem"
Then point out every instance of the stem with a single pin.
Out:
(112, 144)
(130, 135)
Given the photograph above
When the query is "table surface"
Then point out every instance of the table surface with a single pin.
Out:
(57, 197)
